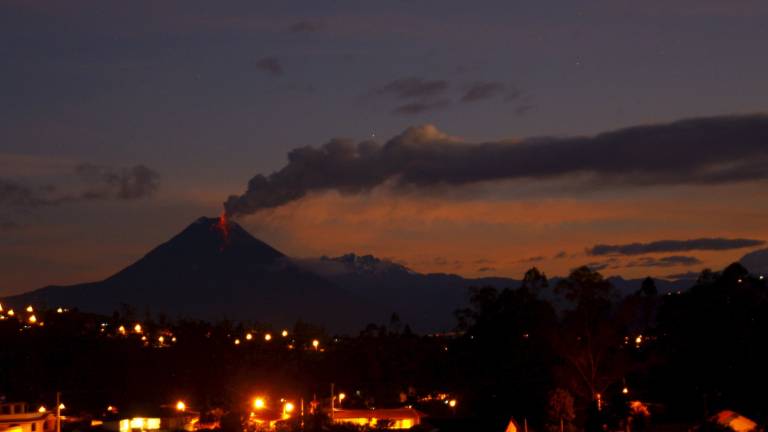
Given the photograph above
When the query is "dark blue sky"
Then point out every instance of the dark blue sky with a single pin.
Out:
(207, 94)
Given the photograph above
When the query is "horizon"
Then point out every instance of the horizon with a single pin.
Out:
(216, 219)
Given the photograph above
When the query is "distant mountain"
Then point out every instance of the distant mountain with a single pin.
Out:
(215, 270)
(756, 262)
(427, 301)
(424, 301)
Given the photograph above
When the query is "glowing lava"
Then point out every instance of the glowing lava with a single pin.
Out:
(223, 227)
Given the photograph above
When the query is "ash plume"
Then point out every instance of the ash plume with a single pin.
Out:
(710, 150)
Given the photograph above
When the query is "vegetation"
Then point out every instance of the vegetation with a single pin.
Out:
(594, 359)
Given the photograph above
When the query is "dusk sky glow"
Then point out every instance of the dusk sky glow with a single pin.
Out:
(123, 122)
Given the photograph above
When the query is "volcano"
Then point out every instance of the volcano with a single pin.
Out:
(212, 270)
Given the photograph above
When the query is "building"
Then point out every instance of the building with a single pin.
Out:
(155, 420)
(397, 418)
(15, 417)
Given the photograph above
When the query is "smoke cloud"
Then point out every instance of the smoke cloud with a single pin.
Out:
(712, 150)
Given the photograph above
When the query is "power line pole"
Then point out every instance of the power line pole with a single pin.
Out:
(58, 411)
(332, 397)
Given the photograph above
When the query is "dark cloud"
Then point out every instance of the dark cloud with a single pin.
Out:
(100, 183)
(713, 150)
(18, 195)
(486, 269)
(524, 109)
(667, 261)
(662, 246)
(483, 90)
(6, 225)
(686, 275)
(598, 266)
(270, 65)
(561, 255)
(306, 26)
(531, 259)
(413, 88)
(122, 184)
(420, 107)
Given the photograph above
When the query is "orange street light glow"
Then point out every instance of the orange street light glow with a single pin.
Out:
(237, 341)
(32, 319)
(284, 333)
(181, 406)
(121, 329)
(30, 309)
(267, 337)
(11, 312)
(137, 328)
(452, 403)
(315, 343)
(61, 406)
(258, 403)
(41, 409)
(248, 336)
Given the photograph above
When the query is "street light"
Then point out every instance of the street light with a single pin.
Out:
(30, 309)
(288, 408)
(41, 409)
(284, 333)
(181, 406)
(267, 337)
(258, 403)
(248, 336)
(137, 328)
(315, 344)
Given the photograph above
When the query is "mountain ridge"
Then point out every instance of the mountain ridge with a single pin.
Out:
(214, 269)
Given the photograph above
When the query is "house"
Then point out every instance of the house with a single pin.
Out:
(15, 417)
(397, 418)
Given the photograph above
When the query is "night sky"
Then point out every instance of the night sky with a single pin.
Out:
(452, 136)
